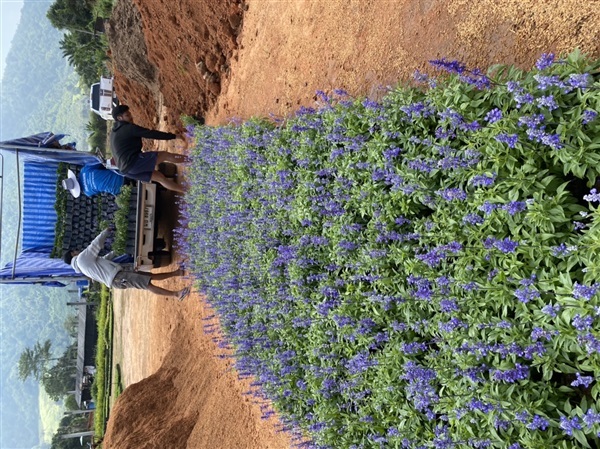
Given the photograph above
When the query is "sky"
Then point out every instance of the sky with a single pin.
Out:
(10, 14)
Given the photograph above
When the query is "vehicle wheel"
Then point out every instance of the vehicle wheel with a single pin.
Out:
(160, 258)
(168, 169)
(159, 244)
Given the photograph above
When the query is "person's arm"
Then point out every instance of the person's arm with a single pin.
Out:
(97, 244)
(110, 256)
(139, 131)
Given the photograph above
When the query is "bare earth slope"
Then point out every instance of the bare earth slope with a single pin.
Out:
(227, 58)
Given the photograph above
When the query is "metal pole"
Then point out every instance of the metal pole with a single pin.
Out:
(14, 267)
(89, 433)
(1, 197)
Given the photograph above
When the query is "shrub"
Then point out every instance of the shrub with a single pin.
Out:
(415, 272)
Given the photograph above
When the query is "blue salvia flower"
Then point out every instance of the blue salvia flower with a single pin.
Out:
(583, 381)
(583, 291)
(483, 180)
(538, 423)
(579, 81)
(545, 61)
(588, 116)
(493, 116)
(546, 82)
(509, 139)
(506, 246)
(413, 348)
(452, 325)
(593, 196)
(582, 323)
(551, 309)
(538, 333)
(452, 116)
(591, 418)
(532, 121)
(448, 306)
(552, 140)
(451, 194)
(472, 219)
(449, 66)
(513, 86)
(476, 404)
(519, 372)
(522, 417)
(523, 98)
(488, 207)
(515, 207)
(420, 76)
(563, 250)
(526, 294)
(501, 424)
(548, 102)
(476, 78)
(419, 388)
(591, 343)
(569, 425)
(433, 257)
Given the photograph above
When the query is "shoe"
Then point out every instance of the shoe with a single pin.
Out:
(184, 293)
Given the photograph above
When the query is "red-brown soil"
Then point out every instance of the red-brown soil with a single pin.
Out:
(270, 56)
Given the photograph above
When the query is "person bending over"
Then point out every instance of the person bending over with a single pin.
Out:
(112, 274)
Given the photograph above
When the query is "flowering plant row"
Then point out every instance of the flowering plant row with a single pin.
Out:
(418, 272)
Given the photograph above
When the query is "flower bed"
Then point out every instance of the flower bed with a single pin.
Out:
(415, 272)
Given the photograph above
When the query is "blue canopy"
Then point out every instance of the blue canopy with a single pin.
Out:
(41, 153)
(45, 147)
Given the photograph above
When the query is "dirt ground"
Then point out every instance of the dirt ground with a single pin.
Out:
(222, 59)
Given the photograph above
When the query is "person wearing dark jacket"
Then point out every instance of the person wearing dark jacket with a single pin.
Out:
(126, 143)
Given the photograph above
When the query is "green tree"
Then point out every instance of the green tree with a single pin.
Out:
(69, 424)
(84, 52)
(71, 324)
(70, 14)
(58, 380)
(71, 403)
(33, 361)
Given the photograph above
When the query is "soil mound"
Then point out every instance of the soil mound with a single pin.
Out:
(172, 56)
(146, 415)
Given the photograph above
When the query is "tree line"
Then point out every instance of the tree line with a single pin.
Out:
(83, 44)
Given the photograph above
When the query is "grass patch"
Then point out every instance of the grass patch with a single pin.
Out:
(117, 388)
(101, 385)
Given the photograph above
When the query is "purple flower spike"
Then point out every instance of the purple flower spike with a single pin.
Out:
(449, 66)
(545, 61)
(493, 116)
(588, 116)
(583, 381)
(592, 197)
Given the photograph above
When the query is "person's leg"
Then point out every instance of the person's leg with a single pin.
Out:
(165, 156)
(163, 276)
(163, 292)
(166, 182)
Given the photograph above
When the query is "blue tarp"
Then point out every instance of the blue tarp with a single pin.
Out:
(35, 265)
(39, 215)
(41, 157)
(42, 148)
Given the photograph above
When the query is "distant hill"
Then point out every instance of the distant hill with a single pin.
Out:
(39, 89)
(39, 93)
